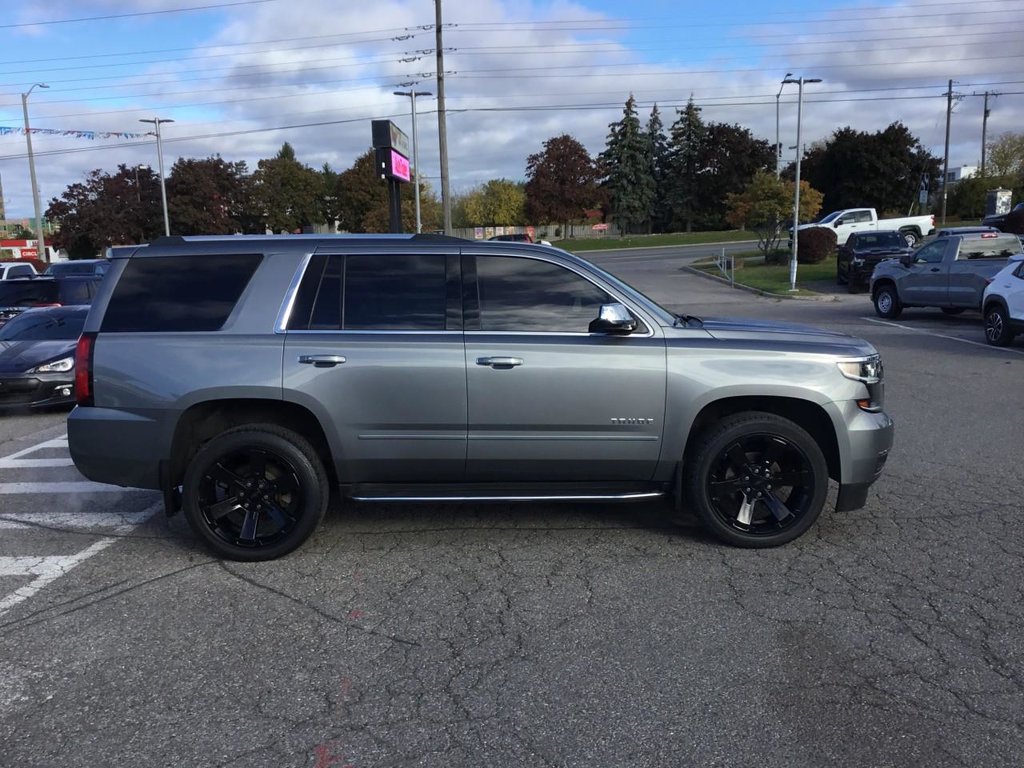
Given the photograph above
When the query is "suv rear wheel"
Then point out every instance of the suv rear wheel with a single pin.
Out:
(997, 326)
(255, 492)
(756, 480)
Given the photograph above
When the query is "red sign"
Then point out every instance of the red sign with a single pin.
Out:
(29, 253)
(600, 227)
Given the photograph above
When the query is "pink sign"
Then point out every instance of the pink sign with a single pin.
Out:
(400, 166)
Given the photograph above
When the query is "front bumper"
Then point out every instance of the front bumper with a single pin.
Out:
(36, 390)
(864, 448)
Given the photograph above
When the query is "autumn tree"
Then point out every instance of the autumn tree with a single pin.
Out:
(498, 202)
(362, 200)
(288, 194)
(766, 206)
(625, 166)
(204, 197)
(107, 209)
(561, 182)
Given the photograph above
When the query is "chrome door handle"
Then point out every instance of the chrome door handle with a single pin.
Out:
(500, 362)
(322, 361)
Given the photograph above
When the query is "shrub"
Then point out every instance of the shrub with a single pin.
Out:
(815, 245)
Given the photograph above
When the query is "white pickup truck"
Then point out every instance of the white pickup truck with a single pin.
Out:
(913, 228)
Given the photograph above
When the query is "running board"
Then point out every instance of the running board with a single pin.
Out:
(506, 494)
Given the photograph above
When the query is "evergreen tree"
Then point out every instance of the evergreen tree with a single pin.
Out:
(626, 168)
(686, 145)
(657, 161)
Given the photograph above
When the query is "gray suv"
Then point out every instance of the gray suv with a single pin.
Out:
(249, 378)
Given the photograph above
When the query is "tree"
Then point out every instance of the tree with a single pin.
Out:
(627, 174)
(686, 145)
(657, 160)
(729, 159)
(561, 182)
(766, 205)
(499, 202)
(288, 195)
(107, 210)
(362, 200)
(1005, 155)
(883, 170)
(204, 196)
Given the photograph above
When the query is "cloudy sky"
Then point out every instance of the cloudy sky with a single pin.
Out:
(240, 78)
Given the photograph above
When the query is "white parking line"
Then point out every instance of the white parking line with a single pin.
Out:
(942, 336)
(71, 486)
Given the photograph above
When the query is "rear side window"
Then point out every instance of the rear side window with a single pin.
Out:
(988, 247)
(178, 293)
(380, 292)
(25, 293)
(77, 291)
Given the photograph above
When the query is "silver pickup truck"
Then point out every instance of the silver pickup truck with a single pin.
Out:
(251, 379)
(950, 272)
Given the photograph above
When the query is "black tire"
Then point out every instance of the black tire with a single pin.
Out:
(255, 492)
(952, 310)
(887, 302)
(910, 237)
(756, 480)
(997, 326)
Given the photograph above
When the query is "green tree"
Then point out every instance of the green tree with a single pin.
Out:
(729, 159)
(499, 202)
(288, 195)
(362, 200)
(882, 170)
(686, 146)
(107, 209)
(627, 174)
(766, 206)
(561, 182)
(204, 196)
(657, 160)
(1005, 155)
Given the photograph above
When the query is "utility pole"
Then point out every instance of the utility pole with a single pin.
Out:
(984, 128)
(778, 144)
(442, 132)
(415, 151)
(40, 244)
(945, 162)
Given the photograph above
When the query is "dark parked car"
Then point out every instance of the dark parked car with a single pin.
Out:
(999, 219)
(79, 267)
(19, 294)
(862, 251)
(37, 357)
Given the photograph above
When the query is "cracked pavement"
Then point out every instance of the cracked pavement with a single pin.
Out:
(569, 635)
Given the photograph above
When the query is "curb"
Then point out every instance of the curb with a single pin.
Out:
(758, 291)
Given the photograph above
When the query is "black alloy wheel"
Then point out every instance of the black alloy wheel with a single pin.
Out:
(255, 493)
(757, 480)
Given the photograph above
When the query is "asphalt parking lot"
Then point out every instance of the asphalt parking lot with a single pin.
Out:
(544, 635)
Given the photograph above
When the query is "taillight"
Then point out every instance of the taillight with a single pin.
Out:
(83, 368)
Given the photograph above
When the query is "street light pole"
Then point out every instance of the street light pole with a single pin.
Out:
(799, 153)
(40, 244)
(415, 151)
(156, 121)
(778, 144)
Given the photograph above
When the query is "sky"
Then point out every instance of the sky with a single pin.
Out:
(241, 77)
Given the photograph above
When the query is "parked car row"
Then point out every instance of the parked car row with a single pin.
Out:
(965, 268)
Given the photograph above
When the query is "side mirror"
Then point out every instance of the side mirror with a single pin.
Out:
(907, 259)
(613, 318)
(838, 223)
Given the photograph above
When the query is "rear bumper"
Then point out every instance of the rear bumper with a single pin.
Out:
(116, 447)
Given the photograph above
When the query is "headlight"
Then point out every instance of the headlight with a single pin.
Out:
(57, 366)
(869, 371)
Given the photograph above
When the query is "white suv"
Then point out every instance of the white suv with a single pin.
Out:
(1003, 303)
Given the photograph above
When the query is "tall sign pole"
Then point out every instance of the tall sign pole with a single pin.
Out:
(442, 131)
(40, 245)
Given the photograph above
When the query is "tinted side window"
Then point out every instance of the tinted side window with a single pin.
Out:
(932, 253)
(21, 293)
(380, 292)
(178, 293)
(520, 294)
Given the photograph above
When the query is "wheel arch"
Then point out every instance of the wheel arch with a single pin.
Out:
(884, 282)
(808, 415)
(203, 421)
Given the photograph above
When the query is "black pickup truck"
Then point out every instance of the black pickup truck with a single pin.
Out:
(858, 256)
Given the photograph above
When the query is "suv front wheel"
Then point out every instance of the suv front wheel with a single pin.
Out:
(756, 480)
(255, 492)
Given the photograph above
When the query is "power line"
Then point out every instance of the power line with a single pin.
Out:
(135, 13)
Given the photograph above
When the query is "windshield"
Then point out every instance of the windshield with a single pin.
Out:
(881, 240)
(829, 218)
(43, 326)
